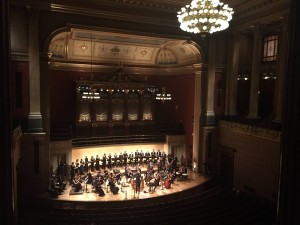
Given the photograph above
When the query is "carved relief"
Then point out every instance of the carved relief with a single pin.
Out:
(273, 135)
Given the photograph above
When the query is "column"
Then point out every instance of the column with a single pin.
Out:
(210, 114)
(231, 83)
(35, 117)
(45, 110)
(289, 188)
(34, 148)
(197, 114)
(279, 88)
(7, 197)
(255, 74)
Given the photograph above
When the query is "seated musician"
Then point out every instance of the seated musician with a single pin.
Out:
(99, 189)
(127, 172)
(138, 168)
(153, 183)
(88, 180)
(61, 183)
(172, 177)
(76, 183)
(117, 175)
(54, 189)
(184, 169)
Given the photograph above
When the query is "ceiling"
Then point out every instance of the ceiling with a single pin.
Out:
(165, 10)
(87, 46)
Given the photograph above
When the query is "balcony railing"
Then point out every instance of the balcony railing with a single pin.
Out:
(115, 140)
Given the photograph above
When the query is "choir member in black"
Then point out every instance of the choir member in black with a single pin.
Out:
(115, 159)
(109, 161)
(81, 167)
(92, 163)
(77, 166)
(125, 157)
(147, 156)
(136, 157)
(86, 164)
(131, 159)
(120, 159)
(153, 154)
(158, 154)
(141, 156)
(104, 161)
(72, 171)
(97, 163)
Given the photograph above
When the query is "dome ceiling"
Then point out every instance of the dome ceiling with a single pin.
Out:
(107, 48)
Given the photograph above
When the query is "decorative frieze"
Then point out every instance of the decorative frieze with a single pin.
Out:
(270, 134)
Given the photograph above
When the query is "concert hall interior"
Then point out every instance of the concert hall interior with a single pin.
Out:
(114, 114)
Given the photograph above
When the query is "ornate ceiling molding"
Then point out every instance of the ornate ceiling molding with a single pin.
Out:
(92, 49)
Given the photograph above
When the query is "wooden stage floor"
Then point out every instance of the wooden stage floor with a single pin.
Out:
(127, 193)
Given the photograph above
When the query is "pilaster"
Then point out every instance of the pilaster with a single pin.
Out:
(255, 74)
(35, 124)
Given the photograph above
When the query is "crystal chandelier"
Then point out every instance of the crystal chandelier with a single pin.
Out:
(205, 16)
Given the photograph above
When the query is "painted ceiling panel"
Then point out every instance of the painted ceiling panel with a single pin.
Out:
(103, 47)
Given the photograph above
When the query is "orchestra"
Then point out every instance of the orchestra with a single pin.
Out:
(140, 169)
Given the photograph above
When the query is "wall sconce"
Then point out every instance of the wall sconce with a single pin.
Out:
(194, 166)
